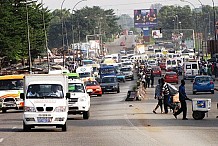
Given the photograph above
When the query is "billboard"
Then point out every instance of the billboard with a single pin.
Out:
(145, 18)
(156, 34)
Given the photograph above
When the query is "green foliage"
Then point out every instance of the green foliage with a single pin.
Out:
(86, 21)
(13, 30)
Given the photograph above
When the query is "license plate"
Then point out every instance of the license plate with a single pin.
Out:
(43, 120)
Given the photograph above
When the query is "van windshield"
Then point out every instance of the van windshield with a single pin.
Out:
(45, 91)
(194, 66)
(84, 75)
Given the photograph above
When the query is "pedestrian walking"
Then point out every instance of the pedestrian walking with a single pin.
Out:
(166, 95)
(182, 98)
(148, 78)
(158, 96)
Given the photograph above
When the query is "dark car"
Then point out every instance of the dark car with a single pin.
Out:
(110, 84)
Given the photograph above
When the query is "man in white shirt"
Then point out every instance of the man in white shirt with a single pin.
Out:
(33, 92)
(56, 92)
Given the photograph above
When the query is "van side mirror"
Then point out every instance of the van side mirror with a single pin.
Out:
(22, 96)
(67, 95)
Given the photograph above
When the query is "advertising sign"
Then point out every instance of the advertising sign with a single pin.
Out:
(156, 34)
(145, 18)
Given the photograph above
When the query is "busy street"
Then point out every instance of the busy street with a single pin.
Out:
(100, 73)
(114, 121)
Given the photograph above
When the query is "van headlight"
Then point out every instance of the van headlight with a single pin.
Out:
(60, 109)
(29, 109)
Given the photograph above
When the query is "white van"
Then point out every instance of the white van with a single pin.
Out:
(171, 63)
(190, 69)
(45, 101)
(85, 71)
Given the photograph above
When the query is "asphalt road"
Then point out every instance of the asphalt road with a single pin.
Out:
(116, 122)
(114, 47)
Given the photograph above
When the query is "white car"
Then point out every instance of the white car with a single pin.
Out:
(79, 101)
(10, 103)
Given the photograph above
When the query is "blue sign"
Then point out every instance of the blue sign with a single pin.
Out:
(201, 104)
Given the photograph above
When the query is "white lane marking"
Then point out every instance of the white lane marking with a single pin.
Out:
(1, 140)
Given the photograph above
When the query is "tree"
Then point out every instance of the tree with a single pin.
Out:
(13, 33)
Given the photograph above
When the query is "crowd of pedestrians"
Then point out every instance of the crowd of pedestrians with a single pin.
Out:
(164, 99)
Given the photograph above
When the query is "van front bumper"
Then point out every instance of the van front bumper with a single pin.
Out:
(44, 118)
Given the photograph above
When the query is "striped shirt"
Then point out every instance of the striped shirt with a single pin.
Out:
(165, 89)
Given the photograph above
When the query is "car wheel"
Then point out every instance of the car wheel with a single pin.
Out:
(26, 127)
(86, 115)
(177, 82)
(194, 92)
(124, 80)
(212, 92)
(64, 127)
(100, 95)
(132, 78)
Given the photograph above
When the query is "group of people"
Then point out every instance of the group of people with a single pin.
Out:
(146, 75)
(164, 98)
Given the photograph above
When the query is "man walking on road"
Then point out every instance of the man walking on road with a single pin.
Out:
(166, 94)
(182, 99)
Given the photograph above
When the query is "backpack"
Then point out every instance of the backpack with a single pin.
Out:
(172, 89)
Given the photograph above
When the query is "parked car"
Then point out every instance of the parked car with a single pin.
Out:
(203, 84)
(11, 103)
(156, 71)
(171, 77)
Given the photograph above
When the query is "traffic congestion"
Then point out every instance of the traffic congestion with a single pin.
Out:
(89, 75)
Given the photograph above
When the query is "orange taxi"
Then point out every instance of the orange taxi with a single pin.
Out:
(95, 86)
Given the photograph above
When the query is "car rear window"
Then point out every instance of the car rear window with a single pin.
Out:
(194, 66)
(203, 79)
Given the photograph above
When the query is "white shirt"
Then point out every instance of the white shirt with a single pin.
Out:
(32, 94)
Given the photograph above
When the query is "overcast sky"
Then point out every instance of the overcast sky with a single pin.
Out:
(121, 6)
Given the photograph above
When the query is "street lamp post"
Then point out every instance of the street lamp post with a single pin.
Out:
(62, 26)
(46, 39)
(73, 28)
(214, 19)
(28, 39)
(196, 22)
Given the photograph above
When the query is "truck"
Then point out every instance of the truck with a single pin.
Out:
(45, 101)
(79, 101)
